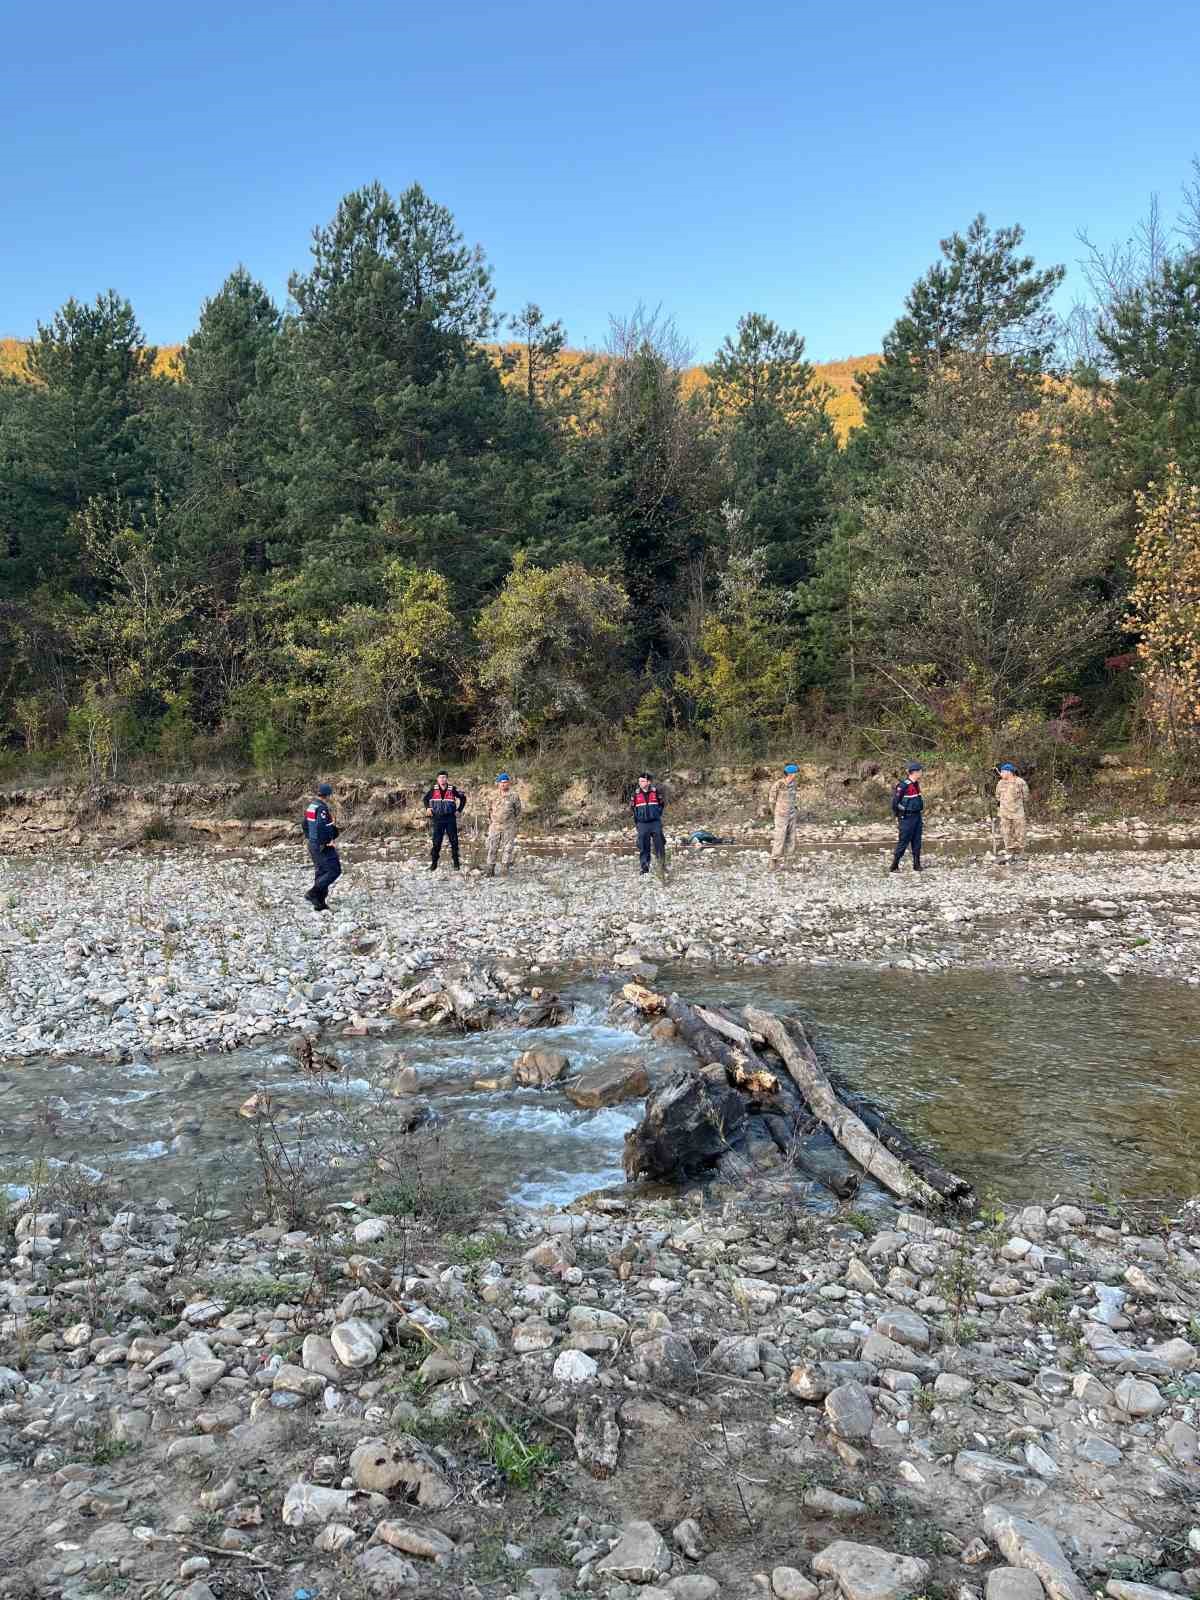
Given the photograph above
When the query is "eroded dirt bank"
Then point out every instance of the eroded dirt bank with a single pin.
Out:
(848, 801)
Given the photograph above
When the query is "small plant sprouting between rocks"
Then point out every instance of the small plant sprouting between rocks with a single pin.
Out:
(108, 1449)
(292, 1184)
(520, 1462)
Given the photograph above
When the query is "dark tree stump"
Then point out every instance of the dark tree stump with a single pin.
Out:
(691, 1121)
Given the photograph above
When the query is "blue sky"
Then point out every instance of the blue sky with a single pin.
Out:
(801, 160)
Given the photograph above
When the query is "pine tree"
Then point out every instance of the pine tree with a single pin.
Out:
(661, 486)
(983, 298)
(394, 399)
(232, 500)
(74, 433)
(1149, 377)
(779, 445)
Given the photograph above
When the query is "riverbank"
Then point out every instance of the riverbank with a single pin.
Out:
(707, 1398)
(177, 949)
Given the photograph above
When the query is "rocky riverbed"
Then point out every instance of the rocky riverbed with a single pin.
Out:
(186, 949)
(635, 1399)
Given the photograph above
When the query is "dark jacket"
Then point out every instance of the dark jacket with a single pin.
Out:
(444, 802)
(649, 804)
(317, 825)
(907, 800)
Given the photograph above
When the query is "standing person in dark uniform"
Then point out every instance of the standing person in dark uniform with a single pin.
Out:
(319, 833)
(443, 803)
(908, 807)
(649, 803)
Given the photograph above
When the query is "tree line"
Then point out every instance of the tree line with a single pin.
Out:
(383, 519)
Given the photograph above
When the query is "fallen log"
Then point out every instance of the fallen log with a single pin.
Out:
(948, 1184)
(849, 1131)
(787, 1134)
(740, 1061)
(782, 1117)
(728, 1029)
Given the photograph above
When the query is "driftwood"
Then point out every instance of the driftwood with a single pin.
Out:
(676, 1133)
(738, 1115)
(469, 998)
(948, 1184)
(706, 1043)
(848, 1129)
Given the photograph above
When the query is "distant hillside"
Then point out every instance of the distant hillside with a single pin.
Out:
(12, 358)
(844, 407)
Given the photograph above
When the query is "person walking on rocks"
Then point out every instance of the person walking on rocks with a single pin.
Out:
(503, 817)
(1011, 794)
(444, 804)
(319, 832)
(649, 803)
(783, 806)
(908, 807)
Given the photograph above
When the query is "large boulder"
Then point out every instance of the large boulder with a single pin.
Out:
(691, 1120)
(400, 1464)
(622, 1078)
(535, 1069)
(865, 1573)
(639, 1556)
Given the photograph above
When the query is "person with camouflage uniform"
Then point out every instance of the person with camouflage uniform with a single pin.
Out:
(1011, 795)
(503, 817)
(782, 797)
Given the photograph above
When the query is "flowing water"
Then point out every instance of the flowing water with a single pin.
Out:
(1030, 1088)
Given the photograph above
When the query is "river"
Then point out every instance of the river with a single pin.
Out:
(1029, 1088)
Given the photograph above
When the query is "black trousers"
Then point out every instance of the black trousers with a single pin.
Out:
(910, 839)
(650, 833)
(445, 828)
(327, 869)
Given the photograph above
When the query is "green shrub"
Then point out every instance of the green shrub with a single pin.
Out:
(268, 747)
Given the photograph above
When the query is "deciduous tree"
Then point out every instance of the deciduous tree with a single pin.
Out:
(551, 645)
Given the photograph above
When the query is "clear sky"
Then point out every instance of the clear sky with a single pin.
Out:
(797, 159)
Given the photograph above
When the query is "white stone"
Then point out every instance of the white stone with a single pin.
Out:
(788, 1583)
(573, 1366)
(371, 1231)
(356, 1343)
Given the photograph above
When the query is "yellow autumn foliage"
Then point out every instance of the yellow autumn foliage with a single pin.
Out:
(1164, 605)
(13, 364)
(843, 405)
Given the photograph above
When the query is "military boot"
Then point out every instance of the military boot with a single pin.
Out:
(491, 871)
